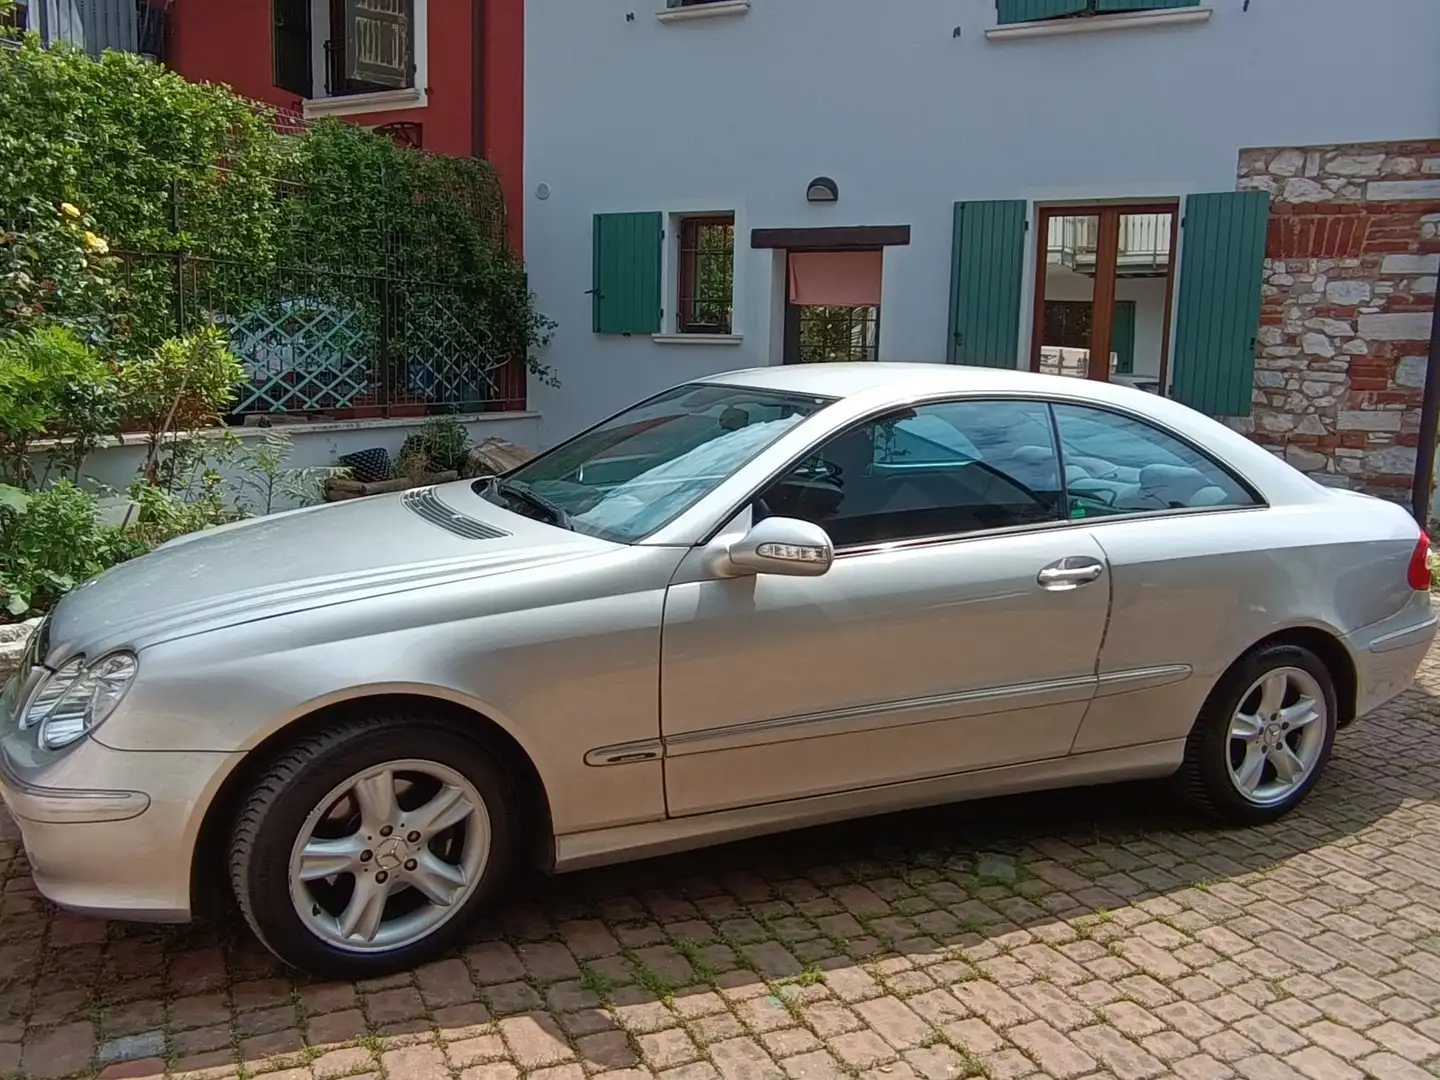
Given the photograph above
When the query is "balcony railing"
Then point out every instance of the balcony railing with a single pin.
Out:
(1144, 244)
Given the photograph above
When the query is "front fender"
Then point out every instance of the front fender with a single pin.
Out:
(561, 671)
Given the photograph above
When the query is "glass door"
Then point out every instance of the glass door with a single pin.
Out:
(1103, 293)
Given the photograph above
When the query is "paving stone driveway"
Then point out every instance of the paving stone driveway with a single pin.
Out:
(1084, 933)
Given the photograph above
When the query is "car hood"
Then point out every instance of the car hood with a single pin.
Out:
(313, 557)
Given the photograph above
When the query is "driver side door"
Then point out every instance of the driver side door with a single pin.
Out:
(957, 629)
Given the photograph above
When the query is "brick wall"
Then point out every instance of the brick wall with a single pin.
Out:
(1350, 268)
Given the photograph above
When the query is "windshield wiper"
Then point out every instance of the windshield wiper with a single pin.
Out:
(558, 517)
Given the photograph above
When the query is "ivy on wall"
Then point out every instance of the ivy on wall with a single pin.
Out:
(208, 210)
(112, 136)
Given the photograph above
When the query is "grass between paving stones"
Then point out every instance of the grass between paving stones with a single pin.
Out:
(972, 1064)
(765, 921)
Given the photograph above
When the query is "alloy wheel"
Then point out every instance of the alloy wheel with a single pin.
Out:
(1277, 735)
(389, 856)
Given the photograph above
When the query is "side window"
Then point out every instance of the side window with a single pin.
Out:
(924, 437)
(1118, 465)
(936, 470)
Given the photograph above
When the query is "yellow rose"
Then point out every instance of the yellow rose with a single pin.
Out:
(70, 210)
(96, 243)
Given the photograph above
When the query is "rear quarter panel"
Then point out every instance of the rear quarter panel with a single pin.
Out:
(1201, 590)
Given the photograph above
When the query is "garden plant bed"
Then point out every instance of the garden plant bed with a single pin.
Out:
(491, 457)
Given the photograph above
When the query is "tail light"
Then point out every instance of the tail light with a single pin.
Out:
(1418, 574)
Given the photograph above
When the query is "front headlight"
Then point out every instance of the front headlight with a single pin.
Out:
(79, 696)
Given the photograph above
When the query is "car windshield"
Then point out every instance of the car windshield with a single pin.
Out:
(629, 475)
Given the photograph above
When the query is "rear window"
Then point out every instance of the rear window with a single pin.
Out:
(1116, 464)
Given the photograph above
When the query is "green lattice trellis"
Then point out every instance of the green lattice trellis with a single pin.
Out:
(302, 356)
(444, 358)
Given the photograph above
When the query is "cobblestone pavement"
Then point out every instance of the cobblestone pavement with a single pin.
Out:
(1083, 933)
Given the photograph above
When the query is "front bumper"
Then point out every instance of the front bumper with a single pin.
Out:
(109, 832)
(1388, 654)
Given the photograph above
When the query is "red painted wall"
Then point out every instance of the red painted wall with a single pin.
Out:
(229, 43)
(503, 68)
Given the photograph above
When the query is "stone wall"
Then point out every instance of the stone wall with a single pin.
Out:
(1351, 261)
(13, 637)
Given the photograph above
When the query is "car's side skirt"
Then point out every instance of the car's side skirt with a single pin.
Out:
(987, 700)
(598, 847)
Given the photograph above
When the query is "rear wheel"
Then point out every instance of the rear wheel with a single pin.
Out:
(367, 849)
(1263, 738)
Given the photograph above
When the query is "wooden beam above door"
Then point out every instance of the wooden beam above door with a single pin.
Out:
(835, 238)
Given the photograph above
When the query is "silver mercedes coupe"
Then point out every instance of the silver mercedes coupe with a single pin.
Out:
(760, 600)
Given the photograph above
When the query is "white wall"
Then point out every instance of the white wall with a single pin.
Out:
(1149, 297)
(116, 465)
(741, 112)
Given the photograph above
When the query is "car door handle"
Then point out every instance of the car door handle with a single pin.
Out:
(1070, 573)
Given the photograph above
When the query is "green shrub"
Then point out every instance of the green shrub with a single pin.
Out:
(55, 269)
(117, 135)
(120, 138)
(441, 445)
(183, 384)
(161, 515)
(50, 541)
(264, 474)
(52, 386)
(120, 182)
(163, 166)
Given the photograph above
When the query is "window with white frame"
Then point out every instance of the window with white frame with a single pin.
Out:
(351, 56)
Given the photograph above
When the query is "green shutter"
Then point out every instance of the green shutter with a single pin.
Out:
(1015, 11)
(1221, 270)
(1143, 5)
(625, 287)
(1122, 337)
(986, 272)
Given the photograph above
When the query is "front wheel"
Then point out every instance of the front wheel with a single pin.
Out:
(1263, 738)
(367, 849)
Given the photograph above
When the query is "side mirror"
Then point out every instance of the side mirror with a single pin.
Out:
(785, 546)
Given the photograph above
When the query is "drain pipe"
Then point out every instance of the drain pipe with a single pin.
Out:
(1429, 424)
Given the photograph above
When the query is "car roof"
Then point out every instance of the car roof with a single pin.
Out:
(880, 384)
(841, 380)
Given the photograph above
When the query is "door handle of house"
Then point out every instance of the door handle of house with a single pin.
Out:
(1070, 573)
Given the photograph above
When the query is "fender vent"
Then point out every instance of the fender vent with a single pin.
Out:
(424, 503)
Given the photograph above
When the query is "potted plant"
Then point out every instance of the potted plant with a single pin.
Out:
(436, 454)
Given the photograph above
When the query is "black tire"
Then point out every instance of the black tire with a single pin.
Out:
(1204, 778)
(285, 794)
